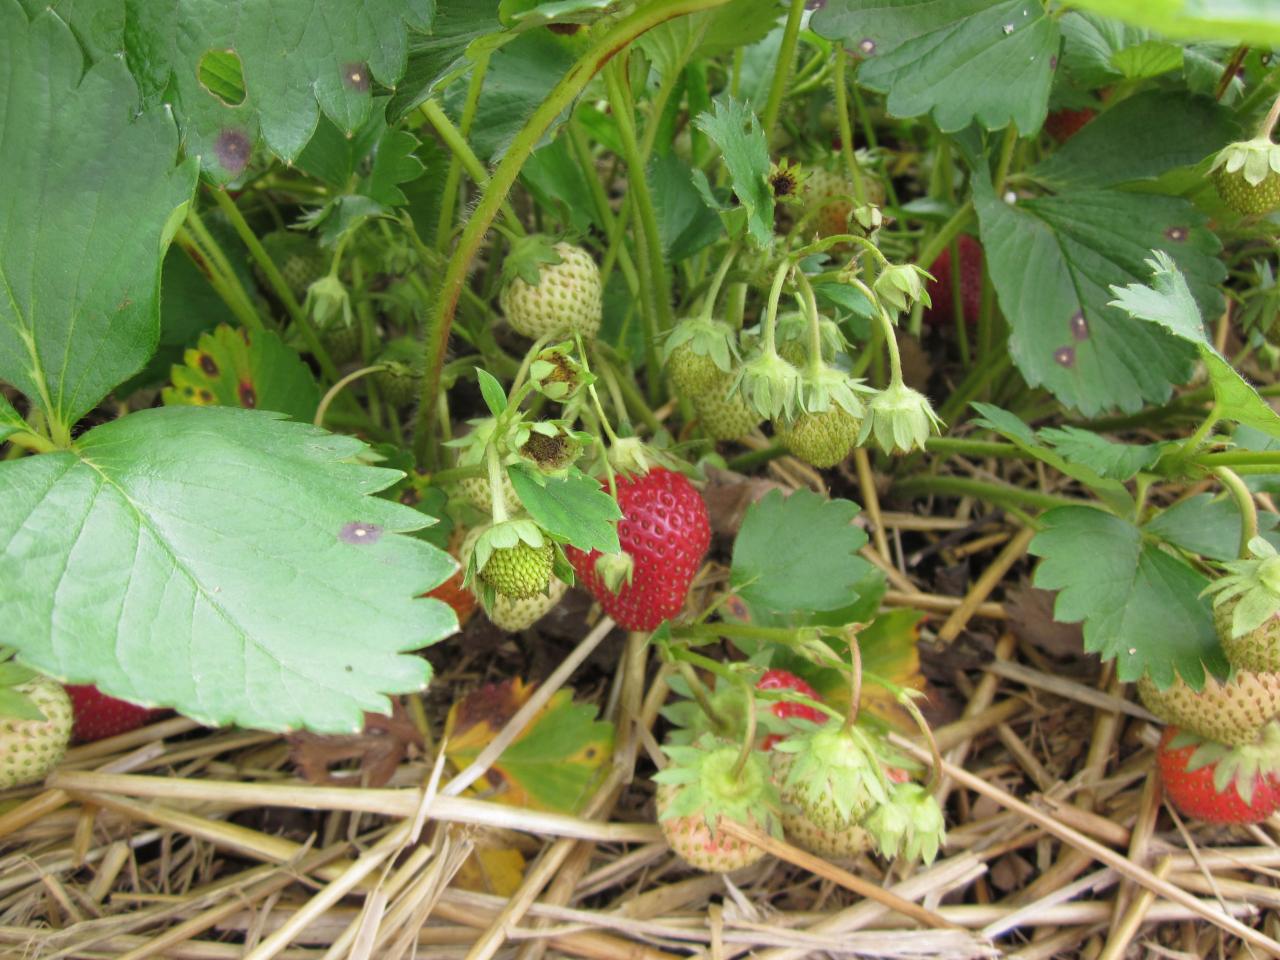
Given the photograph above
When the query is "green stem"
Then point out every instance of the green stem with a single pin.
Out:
(1240, 458)
(946, 233)
(846, 130)
(701, 696)
(605, 47)
(582, 153)
(33, 442)
(1197, 439)
(998, 493)
(631, 394)
(498, 499)
(277, 282)
(782, 70)
(1006, 156)
(771, 314)
(815, 323)
(1243, 497)
(338, 387)
(717, 281)
(749, 735)
(960, 446)
(226, 286)
(1269, 121)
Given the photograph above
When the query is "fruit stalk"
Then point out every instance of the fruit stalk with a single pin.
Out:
(1269, 121)
(1243, 497)
(749, 735)
(815, 323)
(440, 322)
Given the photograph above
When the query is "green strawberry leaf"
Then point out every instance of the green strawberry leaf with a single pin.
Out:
(707, 33)
(962, 61)
(440, 57)
(1012, 428)
(1151, 58)
(228, 563)
(559, 183)
(495, 398)
(235, 367)
(572, 508)
(555, 760)
(1208, 526)
(685, 223)
(538, 13)
(11, 421)
(1090, 44)
(798, 553)
(388, 155)
(89, 198)
(297, 60)
(736, 131)
(1052, 261)
(1237, 21)
(1107, 458)
(1168, 303)
(1140, 605)
(1140, 138)
(99, 25)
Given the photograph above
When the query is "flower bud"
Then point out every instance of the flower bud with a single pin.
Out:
(328, 303)
(901, 285)
(901, 419)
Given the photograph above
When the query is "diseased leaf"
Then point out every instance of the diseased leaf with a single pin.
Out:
(961, 61)
(1168, 302)
(297, 59)
(1052, 261)
(1140, 605)
(1107, 458)
(233, 367)
(89, 197)
(1140, 138)
(228, 563)
(736, 131)
(798, 553)
(572, 508)
(555, 760)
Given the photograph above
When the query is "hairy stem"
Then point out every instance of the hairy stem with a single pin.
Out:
(782, 70)
(1243, 497)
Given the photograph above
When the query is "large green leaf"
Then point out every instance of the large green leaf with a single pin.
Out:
(1237, 21)
(1169, 304)
(798, 553)
(685, 224)
(1053, 261)
(572, 508)
(959, 60)
(225, 562)
(88, 195)
(736, 131)
(1140, 605)
(97, 24)
(297, 57)
(1139, 139)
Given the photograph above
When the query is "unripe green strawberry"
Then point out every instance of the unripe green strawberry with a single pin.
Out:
(706, 784)
(698, 353)
(478, 492)
(691, 372)
(724, 417)
(298, 258)
(521, 571)
(831, 779)
(401, 381)
(1256, 650)
(833, 193)
(342, 342)
(566, 298)
(1233, 713)
(1247, 175)
(516, 615)
(822, 439)
(30, 748)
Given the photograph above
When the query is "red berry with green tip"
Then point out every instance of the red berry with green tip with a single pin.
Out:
(942, 312)
(1249, 794)
(98, 716)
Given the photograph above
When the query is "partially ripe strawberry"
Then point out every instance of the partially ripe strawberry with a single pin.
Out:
(1064, 124)
(1234, 712)
(1217, 784)
(706, 784)
(777, 679)
(565, 297)
(98, 716)
(664, 531)
(942, 310)
(31, 746)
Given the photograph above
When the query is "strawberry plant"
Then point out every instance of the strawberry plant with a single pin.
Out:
(746, 361)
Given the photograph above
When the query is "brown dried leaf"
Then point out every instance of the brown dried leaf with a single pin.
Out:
(729, 494)
(381, 747)
(1031, 619)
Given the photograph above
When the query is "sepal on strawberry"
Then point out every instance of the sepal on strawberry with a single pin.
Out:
(833, 774)
(513, 558)
(697, 353)
(902, 284)
(909, 824)
(550, 446)
(706, 784)
(557, 374)
(551, 289)
(1246, 605)
(769, 384)
(901, 419)
(1247, 175)
(1220, 784)
(35, 725)
(791, 334)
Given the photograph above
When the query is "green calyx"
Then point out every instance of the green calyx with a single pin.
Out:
(1239, 766)
(513, 558)
(556, 373)
(792, 338)
(328, 303)
(527, 257)
(550, 446)
(902, 284)
(1252, 585)
(1247, 175)
(838, 766)
(711, 783)
(14, 702)
(901, 419)
(909, 824)
(697, 351)
(769, 384)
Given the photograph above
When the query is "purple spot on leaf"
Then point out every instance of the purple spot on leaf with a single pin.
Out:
(1079, 326)
(1176, 234)
(866, 46)
(233, 149)
(1053, 62)
(1066, 356)
(356, 76)
(360, 533)
(208, 365)
(248, 396)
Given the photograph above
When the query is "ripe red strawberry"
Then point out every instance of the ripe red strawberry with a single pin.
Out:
(1064, 124)
(98, 716)
(789, 709)
(664, 530)
(939, 289)
(1217, 784)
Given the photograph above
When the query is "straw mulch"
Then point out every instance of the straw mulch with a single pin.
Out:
(180, 842)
